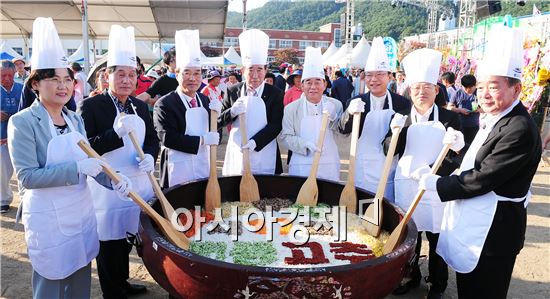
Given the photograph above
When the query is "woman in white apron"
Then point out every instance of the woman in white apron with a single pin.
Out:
(58, 212)
(422, 138)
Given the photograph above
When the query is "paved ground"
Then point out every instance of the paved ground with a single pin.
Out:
(531, 277)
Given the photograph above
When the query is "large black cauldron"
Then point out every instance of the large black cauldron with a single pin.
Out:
(187, 275)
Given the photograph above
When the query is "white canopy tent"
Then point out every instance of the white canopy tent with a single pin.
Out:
(6, 52)
(78, 56)
(340, 58)
(232, 57)
(329, 52)
(360, 53)
(153, 20)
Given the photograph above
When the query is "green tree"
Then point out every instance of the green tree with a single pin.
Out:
(286, 55)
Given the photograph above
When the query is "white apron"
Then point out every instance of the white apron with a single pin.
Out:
(185, 167)
(329, 164)
(116, 216)
(370, 152)
(466, 223)
(424, 143)
(60, 226)
(262, 162)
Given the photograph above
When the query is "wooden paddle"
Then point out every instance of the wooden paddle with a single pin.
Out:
(165, 226)
(167, 208)
(249, 187)
(397, 233)
(213, 193)
(309, 192)
(374, 212)
(348, 197)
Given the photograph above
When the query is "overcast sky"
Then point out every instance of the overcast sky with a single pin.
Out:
(237, 5)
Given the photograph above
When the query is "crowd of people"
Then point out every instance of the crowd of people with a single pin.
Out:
(472, 213)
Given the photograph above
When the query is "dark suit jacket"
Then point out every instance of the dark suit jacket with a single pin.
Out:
(170, 123)
(448, 119)
(273, 99)
(341, 89)
(505, 164)
(99, 114)
(345, 125)
(280, 82)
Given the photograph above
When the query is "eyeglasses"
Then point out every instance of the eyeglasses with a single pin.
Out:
(423, 87)
(58, 81)
(376, 75)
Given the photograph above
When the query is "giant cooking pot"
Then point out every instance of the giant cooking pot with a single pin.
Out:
(186, 275)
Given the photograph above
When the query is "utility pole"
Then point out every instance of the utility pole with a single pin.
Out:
(244, 15)
(85, 43)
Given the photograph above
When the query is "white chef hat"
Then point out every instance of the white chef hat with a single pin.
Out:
(254, 44)
(313, 64)
(378, 57)
(122, 46)
(503, 54)
(47, 49)
(422, 65)
(188, 49)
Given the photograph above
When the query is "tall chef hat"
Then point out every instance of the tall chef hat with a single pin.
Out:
(188, 49)
(422, 65)
(122, 47)
(378, 57)
(313, 64)
(503, 54)
(254, 44)
(47, 49)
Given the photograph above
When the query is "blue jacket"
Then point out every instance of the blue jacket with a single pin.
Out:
(28, 138)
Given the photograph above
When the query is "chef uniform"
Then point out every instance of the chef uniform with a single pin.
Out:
(117, 216)
(57, 207)
(485, 217)
(182, 121)
(263, 114)
(375, 120)
(420, 142)
(302, 125)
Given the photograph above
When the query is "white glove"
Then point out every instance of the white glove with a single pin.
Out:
(330, 109)
(211, 138)
(454, 138)
(428, 182)
(251, 145)
(398, 121)
(147, 164)
(124, 125)
(215, 105)
(356, 106)
(238, 108)
(123, 187)
(312, 147)
(90, 166)
(419, 172)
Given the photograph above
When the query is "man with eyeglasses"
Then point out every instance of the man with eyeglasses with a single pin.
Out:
(263, 106)
(426, 127)
(109, 118)
(376, 108)
(182, 118)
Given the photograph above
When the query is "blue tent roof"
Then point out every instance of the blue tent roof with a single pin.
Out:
(6, 55)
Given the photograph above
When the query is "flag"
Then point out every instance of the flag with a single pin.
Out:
(536, 11)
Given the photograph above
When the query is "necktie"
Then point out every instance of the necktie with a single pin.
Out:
(193, 103)
(251, 92)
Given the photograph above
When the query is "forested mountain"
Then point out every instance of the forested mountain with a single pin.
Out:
(377, 16)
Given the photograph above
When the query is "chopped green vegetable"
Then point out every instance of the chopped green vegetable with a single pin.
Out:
(210, 249)
(253, 253)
